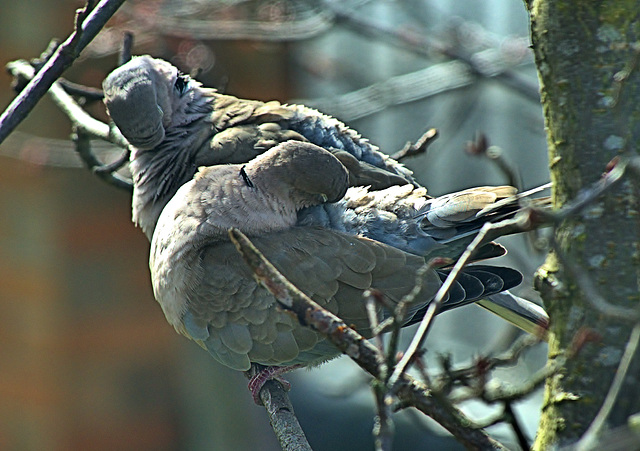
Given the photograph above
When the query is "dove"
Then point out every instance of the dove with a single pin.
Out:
(177, 127)
(209, 294)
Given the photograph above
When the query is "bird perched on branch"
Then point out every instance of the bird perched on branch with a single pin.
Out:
(208, 293)
(176, 125)
(333, 213)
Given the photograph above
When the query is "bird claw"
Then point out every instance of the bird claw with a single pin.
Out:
(269, 373)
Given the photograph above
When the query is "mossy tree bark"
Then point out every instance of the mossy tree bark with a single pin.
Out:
(588, 59)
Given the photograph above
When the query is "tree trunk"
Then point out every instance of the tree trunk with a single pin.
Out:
(588, 58)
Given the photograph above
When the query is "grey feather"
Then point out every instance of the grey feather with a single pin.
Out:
(333, 213)
(199, 278)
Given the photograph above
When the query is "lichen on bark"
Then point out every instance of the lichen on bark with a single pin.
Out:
(587, 54)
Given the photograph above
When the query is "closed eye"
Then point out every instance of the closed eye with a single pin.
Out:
(182, 81)
(246, 178)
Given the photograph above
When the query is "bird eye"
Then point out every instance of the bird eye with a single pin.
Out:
(246, 178)
(181, 82)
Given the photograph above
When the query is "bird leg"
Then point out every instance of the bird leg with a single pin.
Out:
(263, 374)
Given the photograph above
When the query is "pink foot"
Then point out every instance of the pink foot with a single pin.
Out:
(269, 373)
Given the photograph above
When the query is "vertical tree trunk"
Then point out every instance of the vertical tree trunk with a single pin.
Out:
(588, 58)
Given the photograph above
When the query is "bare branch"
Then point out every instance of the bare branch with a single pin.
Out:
(125, 50)
(383, 429)
(618, 168)
(397, 90)
(282, 417)
(423, 45)
(420, 146)
(211, 21)
(480, 147)
(434, 305)
(89, 22)
(513, 421)
(87, 92)
(487, 364)
(588, 440)
(367, 356)
(371, 298)
(83, 147)
(308, 312)
(85, 127)
(510, 394)
(70, 107)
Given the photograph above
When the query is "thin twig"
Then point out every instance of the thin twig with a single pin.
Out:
(493, 420)
(83, 147)
(434, 305)
(116, 164)
(590, 436)
(507, 415)
(399, 312)
(367, 356)
(503, 393)
(371, 301)
(70, 107)
(383, 429)
(524, 221)
(87, 27)
(88, 93)
(419, 147)
(507, 358)
(513, 421)
(425, 46)
(617, 168)
(125, 51)
(480, 147)
(85, 127)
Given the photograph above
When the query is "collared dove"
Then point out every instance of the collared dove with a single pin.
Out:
(176, 125)
(208, 293)
(385, 223)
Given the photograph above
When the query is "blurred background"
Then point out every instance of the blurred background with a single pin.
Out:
(88, 361)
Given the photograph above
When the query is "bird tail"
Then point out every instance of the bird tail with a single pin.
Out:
(522, 313)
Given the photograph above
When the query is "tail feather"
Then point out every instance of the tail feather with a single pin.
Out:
(522, 313)
(473, 284)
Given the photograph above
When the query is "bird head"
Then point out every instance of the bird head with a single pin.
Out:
(300, 172)
(142, 97)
